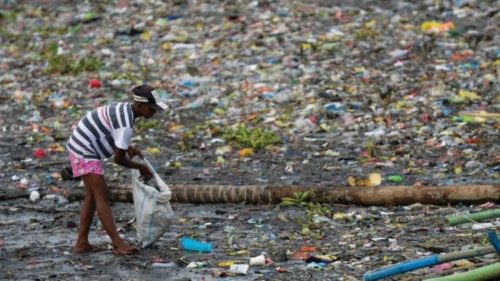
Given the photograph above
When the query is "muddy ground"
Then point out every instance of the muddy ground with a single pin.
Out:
(38, 242)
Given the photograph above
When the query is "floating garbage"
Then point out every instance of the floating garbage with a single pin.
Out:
(264, 94)
(373, 179)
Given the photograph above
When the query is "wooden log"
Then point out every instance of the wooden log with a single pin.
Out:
(367, 196)
(261, 194)
(384, 195)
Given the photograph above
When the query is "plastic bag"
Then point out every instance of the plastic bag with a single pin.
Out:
(153, 212)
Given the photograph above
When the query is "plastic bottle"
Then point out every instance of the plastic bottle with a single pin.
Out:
(395, 178)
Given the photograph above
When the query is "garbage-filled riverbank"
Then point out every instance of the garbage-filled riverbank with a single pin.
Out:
(323, 93)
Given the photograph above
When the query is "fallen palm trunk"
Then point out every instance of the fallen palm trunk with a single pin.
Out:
(489, 272)
(474, 217)
(368, 196)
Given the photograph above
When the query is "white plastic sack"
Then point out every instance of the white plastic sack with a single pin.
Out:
(153, 212)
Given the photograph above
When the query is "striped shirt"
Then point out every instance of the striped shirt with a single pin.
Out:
(102, 130)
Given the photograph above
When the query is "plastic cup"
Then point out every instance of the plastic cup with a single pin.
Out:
(195, 245)
(34, 196)
(258, 260)
(239, 269)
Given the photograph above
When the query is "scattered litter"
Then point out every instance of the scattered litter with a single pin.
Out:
(361, 93)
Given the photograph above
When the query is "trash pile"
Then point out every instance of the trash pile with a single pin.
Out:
(300, 92)
(271, 92)
(246, 242)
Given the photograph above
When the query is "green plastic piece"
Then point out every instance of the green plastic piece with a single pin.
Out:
(474, 217)
(395, 179)
(489, 272)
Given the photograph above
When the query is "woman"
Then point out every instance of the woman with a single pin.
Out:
(102, 133)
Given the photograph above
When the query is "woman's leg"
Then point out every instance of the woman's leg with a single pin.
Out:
(100, 191)
(86, 214)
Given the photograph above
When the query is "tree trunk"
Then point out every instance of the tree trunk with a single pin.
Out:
(262, 194)
(368, 196)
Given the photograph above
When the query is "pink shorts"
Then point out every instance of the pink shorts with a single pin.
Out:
(81, 166)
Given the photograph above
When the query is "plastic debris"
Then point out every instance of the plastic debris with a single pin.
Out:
(374, 179)
(407, 91)
(34, 196)
(195, 245)
(239, 269)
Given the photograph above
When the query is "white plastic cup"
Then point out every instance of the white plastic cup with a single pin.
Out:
(34, 196)
(258, 260)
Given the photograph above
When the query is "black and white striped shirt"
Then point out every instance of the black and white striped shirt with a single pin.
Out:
(102, 130)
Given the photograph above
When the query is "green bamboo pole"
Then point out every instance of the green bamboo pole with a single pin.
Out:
(465, 254)
(479, 216)
(489, 272)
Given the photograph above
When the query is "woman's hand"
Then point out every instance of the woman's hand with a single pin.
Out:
(132, 151)
(146, 174)
(122, 159)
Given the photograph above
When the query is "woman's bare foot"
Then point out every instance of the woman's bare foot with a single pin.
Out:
(123, 249)
(85, 248)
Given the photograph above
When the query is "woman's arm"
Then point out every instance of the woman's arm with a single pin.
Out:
(121, 159)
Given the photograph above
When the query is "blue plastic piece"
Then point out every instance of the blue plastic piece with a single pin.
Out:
(492, 236)
(195, 245)
(334, 107)
(400, 268)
